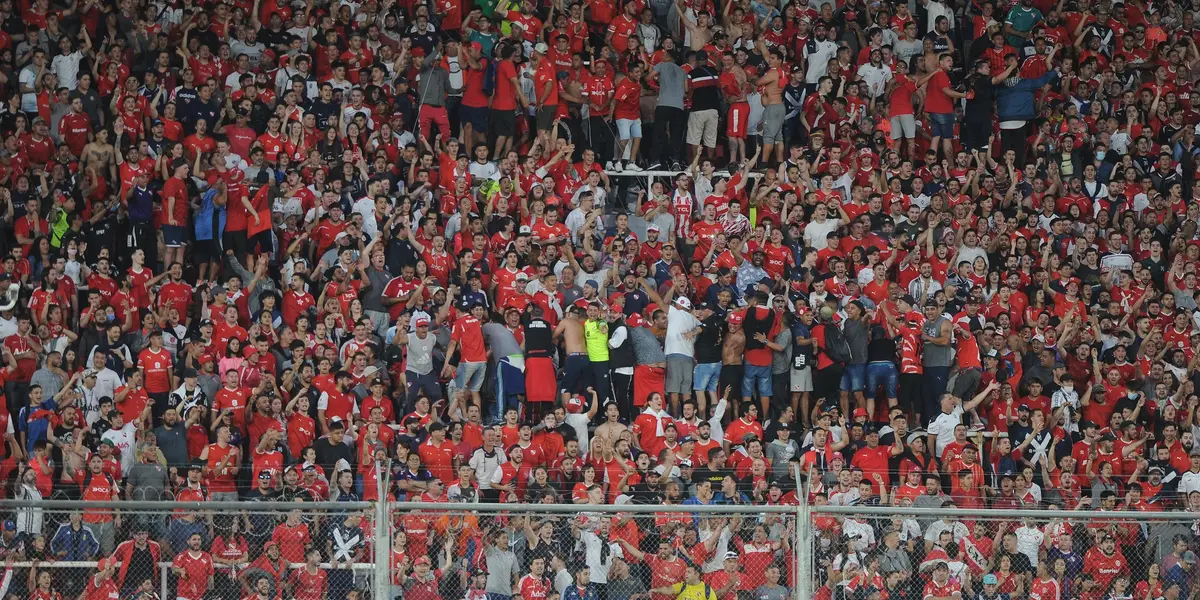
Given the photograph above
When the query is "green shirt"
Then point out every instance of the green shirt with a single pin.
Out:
(595, 337)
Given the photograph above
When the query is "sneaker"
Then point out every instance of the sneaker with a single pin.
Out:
(633, 166)
(608, 166)
(976, 428)
(653, 166)
(616, 166)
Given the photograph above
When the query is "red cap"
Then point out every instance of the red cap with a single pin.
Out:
(635, 320)
(421, 560)
(860, 412)
(575, 404)
(581, 303)
(736, 317)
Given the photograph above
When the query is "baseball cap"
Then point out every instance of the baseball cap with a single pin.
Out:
(683, 302)
(541, 48)
(421, 322)
(989, 579)
(860, 412)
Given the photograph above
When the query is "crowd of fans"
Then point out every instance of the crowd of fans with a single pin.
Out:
(930, 255)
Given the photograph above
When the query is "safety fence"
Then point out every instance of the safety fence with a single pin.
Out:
(1024, 552)
(431, 551)
(352, 550)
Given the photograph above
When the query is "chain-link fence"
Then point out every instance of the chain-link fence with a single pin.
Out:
(908, 551)
(620, 552)
(192, 551)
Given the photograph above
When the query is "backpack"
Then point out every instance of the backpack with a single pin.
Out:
(836, 346)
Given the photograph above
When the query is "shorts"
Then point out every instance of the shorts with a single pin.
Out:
(854, 378)
(477, 116)
(236, 241)
(965, 383)
(260, 243)
(628, 129)
(739, 120)
(941, 125)
(904, 126)
(882, 373)
(756, 378)
(772, 123)
(545, 117)
(174, 236)
(470, 376)
(801, 380)
(207, 251)
(702, 126)
(679, 373)
(706, 376)
(503, 122)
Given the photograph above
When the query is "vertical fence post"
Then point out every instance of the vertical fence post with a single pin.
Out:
(383, 537)
(802, 542)
(165, 581)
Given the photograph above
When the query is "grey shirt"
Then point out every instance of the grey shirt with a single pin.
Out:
(379, 280)
(781, 362)
(856, 336)
(500, 340)
(622, 589)
(647, 350)
(172, 441)
(501, 566)
(420, 353)
(51, 384)
(148, 481)
(766, 592)
(671, 78)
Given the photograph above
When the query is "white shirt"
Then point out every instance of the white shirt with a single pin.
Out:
(1188, 483)
(1029, 539)
(818, 60)
(814, 233)
(943, 427)
(876, 78)
(107, 382)
(66, 66)
(123, 440)
(680, 322)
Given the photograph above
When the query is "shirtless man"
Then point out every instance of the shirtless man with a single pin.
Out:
(700, 32)
(607, 433)
(732, 354)
(772, 83)
(576, 364)
(734, 85)
(101, 155)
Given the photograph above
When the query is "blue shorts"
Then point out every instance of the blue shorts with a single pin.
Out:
(854, 378)
(628, 129)
(174, 235)
(476, 116)
(882, 373)
(470, 376)
(942, 125)
(705, 377)
(756, 377)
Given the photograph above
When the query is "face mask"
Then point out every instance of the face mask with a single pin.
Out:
(1099, 155)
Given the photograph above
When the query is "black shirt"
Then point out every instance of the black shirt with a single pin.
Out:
(705, 91)
(328, 453)
(538, 338)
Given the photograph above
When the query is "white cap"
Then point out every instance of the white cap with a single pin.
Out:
(683, 302)
(541, 48)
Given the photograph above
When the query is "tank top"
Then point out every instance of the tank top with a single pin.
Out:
(935, 355)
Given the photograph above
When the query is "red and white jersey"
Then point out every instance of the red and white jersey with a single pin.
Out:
(683, 205)
(1044, 590)
(534, 588)
(950, 588)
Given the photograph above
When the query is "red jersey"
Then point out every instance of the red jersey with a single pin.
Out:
(197, 570)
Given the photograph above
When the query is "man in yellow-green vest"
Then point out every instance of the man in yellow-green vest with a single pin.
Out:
(595, 338)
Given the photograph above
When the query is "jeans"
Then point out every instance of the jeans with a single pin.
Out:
(470, 376)
(757, 378)
(600, 381)
(882, 373)
(854, 378)
(934, 385)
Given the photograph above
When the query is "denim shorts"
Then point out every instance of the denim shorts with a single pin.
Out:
(470, 376)
(941, 125)
(759, 377)
(854, 378)
(882, 373)
(705, 377)
(629, 128)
